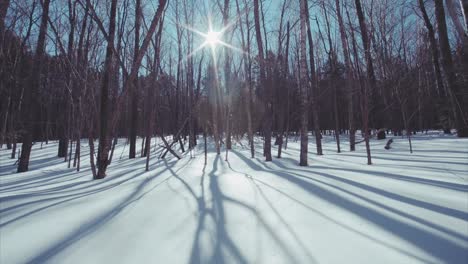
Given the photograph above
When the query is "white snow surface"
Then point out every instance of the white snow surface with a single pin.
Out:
(405, 208)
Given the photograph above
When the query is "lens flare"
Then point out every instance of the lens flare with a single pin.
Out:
(212, 38)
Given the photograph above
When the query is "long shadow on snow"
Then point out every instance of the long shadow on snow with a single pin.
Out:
(343, 225)
(124, 168)
(288, 227)
(217, 213)
(84, 191)
(429, 206)
(441, 184)
(94, 224)
(51, 177)
(439, 247)
(406, 166)
(9, 186)
(381, 157)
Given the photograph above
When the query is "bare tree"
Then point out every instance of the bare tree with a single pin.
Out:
(371, 83)
(104, 141)
(437, 72)
(349, 77)
(227, 77)
(245, 38)
(134, 87)
(30, 95)
(449, 70)
(265, 89)
(314, 86)
(304, 86)
(3, 11)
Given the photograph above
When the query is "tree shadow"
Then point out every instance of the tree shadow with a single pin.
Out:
(222, 245)
(78, 193)
(431, 243)
(430, 182)
(337, 222)
(94, 224)
(426, 205)
(288, 227)
(381, 157)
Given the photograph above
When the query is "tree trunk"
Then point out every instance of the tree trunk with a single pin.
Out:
(247, 68)
(370, 79)
(134, 87)
(464, 5)
(31, 94)
(349, 76)
(449, 70)
(333, 67)
(91, 153)
(4, 4)
(265, 89)
(313, 87)
(304, 86)
(227, 76)
(443, 113)
(104, 141)
(150, 107)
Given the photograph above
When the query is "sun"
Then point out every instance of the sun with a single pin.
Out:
(213, 38)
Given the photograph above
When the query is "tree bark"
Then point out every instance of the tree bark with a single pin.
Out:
(369, 82)
(104, 141)
(4, 4)
(464, 5)
(265, 89)
(349, 77)
(134, 87)
(245, 38)
(32, 91)
(150, 107)
(333, 67)
(449, 70)
(443, 114)
(313, 87)
(227, 76)
(304, 86)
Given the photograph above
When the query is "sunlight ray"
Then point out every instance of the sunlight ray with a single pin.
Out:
(191, 54)
(233, 48)
(192, 29)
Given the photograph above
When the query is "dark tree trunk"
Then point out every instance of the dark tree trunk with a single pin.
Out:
(313, 88)
(151, 91)
(32, 91)
(286, 79)
(104, 141)
(134, 88)
(370, 80)
(247, 68)
(227, 76)
(333, 63)
(443, 113)
(349, 78)
(304, 85)
(449, 70)
(265, 89)
(4, 4)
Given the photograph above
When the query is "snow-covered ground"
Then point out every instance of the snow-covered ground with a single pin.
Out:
(405, 208)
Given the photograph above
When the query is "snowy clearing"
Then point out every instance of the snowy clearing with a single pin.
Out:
(406, 208)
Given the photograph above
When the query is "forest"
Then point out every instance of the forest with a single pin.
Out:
(90, 87)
